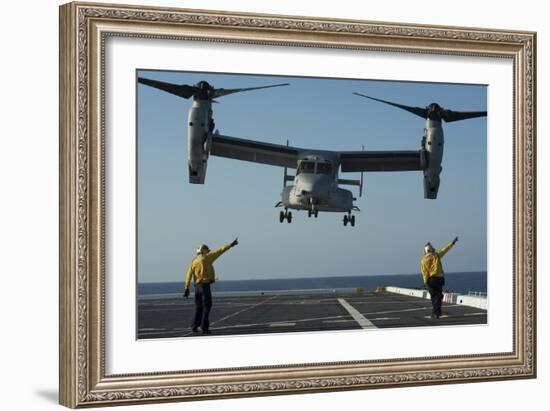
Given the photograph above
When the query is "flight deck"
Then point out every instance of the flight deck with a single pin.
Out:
(330, 311)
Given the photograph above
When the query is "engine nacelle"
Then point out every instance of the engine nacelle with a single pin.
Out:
(431, 186)
(197, 161)
(432, 143)
(199, 140)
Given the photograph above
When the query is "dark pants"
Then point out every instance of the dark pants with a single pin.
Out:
(435, 288)
(203, 305)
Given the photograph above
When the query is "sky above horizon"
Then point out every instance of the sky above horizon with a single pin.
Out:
(238, 198)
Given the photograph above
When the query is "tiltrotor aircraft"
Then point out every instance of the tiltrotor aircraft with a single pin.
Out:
(316, 182)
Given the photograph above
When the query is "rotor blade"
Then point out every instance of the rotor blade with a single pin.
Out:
(421, 112)
(177, 89)
(220, 92)
(449, 115)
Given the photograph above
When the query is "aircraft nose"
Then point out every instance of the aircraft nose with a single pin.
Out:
(314, 186)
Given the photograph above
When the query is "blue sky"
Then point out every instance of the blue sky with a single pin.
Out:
(238, 198)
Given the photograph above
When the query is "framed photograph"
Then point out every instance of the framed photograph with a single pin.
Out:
(262, 205)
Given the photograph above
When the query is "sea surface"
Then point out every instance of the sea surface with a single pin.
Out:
(454, 282)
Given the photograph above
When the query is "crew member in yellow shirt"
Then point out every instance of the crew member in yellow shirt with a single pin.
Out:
(201, 271)
(433, 275)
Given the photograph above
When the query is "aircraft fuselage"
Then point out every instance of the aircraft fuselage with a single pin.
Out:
(316, 188)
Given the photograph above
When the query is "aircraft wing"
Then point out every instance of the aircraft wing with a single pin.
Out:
(351, 161)
(254, 151)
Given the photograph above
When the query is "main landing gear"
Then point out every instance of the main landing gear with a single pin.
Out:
(285, 215)
(348, 218)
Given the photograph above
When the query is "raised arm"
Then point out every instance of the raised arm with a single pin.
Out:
(445, 249)
(213, 255)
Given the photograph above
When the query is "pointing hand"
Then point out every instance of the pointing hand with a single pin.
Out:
(235, 242)
(455, 240)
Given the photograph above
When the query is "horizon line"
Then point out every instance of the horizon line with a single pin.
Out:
(306, 278)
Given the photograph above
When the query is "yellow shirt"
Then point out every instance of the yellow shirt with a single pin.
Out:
(201, 269)
(431, 263)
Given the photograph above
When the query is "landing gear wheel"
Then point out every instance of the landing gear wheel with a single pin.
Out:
(352, 220)
(281, 217)
(289, 217)
(345, 220)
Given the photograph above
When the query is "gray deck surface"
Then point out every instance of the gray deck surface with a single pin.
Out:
(163, 318)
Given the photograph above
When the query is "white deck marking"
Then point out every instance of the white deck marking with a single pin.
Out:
(357, 316)
(401, 311)
(385, 318)
(237, 313)
(269, 323)
(339, 321)
(282, 325)
(243, 310)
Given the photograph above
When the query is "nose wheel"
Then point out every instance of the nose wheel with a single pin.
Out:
(285, 215)
(348, 218)
(314, 213)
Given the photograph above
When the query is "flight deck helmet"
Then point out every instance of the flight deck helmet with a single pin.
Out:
(203, 249)
(428, 248)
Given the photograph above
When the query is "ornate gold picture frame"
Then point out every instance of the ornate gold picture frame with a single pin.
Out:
(85, 29)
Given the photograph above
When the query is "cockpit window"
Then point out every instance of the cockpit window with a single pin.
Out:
(307, 167)
(324, 168)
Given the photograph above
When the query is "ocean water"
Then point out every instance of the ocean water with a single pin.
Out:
(454, 282)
